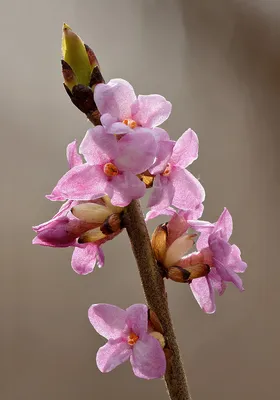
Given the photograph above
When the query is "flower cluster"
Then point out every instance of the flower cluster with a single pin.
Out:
(122, 158)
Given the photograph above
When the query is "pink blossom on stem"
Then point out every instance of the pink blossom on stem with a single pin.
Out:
(121, 111)
(173, 184)
(224, 260)
(128, 338)
(111, 167)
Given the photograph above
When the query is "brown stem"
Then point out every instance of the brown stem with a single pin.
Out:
(156, 297)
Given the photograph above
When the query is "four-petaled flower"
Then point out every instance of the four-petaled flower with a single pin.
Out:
(121, 111)
(128, 338)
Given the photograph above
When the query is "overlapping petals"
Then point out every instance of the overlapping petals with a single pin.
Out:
(128, 338)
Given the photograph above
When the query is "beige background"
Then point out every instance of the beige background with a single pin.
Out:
(218, 62)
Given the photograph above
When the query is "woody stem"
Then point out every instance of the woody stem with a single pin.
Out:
(154, 289)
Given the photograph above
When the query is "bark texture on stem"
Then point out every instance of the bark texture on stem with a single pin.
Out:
(156, 297)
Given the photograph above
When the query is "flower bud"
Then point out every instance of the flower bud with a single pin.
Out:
(177, 250)
(158, 242)
(159, 337)
(178, 274)
(81, 73)
(112, 224)
(93, 235)
(154, 322)
(198, 271)
(91, 212)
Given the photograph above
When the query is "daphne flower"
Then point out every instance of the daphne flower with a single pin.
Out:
(224, 260)
(173, 184)
(111, 167)
(121, 111)
(128, 338)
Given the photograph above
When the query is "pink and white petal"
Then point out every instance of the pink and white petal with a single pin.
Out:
(216, 281)
(56, 233)
(189, 192)
(73, 157)
(154, 212)
(137, 319)
(84, 182)
(205, 228)
(163, 154)
(224, 224)
(235, 262)
(118, 128)
(137, 152)
(148, 359)
(162, 194)
(98, 147)
(115, 98)
(185, 150)
(107, 121)
(124, 188)
(204, 294)
(108, 320)
(160, 135)
(84, 259)
(112, 354)
(151, 111)
(220, 248)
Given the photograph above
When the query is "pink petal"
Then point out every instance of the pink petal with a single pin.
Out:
(148, 359)
(189, 192)
(204, 294)
(115, 98)
(155, 212)
(162, 194)
(151, 111)
(228, 275)
(84, 182)
(55, 233)
(160, 135)
(178, 225)
(108, 320)
(137, 151)
(124, 188)
(235, 262)
(112, 354)
(205, 228)
(224, 224)
(185, 150)
(85, 258)
(163, 154)
(98, 147)
(137, 319)
(62, 212)
(216, 281)
(73, 156)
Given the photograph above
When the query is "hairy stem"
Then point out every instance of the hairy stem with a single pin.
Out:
(156, 297)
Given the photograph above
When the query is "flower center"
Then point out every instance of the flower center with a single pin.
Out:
(132, 339)
(110, 169)
(167, 170)
(130, 122)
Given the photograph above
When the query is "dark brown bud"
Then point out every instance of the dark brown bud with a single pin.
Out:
(158, 241)
(178, 274)
(112, 224)
(82, 97)
(96, 77)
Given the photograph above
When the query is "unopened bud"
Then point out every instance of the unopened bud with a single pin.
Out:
(91, 236)
(91, 212)
(159, 337)
(178, 274)
(112, 224)
(158, 242)
(154, 321)
(198, 271)
(177, 250)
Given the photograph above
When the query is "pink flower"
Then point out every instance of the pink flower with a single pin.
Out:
(111, 167)
(128, 338)
(121, 111)
(173, 184)
(224, 260)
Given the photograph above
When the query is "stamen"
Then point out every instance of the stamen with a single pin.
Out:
(132, 339)
(167, 170)
(110, 169)
(130, 122)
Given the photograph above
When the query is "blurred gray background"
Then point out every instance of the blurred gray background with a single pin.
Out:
(218, 62)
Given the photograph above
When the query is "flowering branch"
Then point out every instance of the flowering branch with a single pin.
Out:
(156, 297)
(125, 154)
